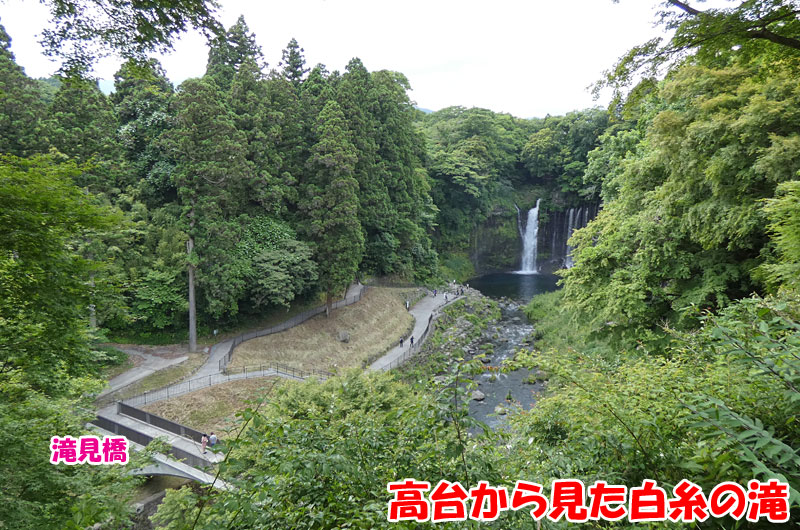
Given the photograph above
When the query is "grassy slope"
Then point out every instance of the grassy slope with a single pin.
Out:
(161, 378)
(213, 409)
(375, 324)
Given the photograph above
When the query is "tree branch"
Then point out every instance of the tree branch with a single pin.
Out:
(774, 37)
(685, 7)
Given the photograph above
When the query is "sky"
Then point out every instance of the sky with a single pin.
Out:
(528, 58)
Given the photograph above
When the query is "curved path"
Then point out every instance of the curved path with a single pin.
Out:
(423, 312)
(209, 375)
(151, 364)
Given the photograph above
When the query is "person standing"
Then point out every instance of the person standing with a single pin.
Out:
(412, 341)
(401, 342)
(212, 440)
(204, 442)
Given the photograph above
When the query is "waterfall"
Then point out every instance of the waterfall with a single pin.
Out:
(568, 263)
(529, 241)
(519, 223)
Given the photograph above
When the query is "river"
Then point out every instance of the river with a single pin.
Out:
(511, 330)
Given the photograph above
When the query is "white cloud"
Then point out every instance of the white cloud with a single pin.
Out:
(529, 58)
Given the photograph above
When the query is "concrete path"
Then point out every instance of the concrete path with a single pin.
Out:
(211, 366)
(209, 374)
(164, 465)
(422, 312)
(151, 363)
(175, 440)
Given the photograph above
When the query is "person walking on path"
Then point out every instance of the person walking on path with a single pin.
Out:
(412, 341)
(212, 440)
(401, 342)
(204, 442)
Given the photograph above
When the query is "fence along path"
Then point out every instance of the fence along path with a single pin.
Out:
(292, 322)
(197, 383)
(219, 360)
(128, 406)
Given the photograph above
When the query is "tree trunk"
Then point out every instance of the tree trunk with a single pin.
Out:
(192, 305)
(328, 303)
(92, 307)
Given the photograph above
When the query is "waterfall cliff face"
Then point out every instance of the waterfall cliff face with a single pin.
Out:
(559, 229)
(530, 241)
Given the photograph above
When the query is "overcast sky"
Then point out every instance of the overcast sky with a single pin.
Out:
(526, 57)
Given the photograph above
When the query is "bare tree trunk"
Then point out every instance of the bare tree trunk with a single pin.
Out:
(192, 304)
(92, 308)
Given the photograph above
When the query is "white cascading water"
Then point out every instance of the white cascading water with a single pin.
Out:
(529, 241)
(568, 263)
(519, 222)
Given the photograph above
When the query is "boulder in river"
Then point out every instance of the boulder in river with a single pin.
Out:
(477, 395)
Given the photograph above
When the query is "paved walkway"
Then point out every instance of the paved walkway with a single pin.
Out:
(422, 312)
(209, 374)
(165, 465)
(175, 440)
(151, 363)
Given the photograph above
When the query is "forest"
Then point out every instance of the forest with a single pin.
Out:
(158, 214)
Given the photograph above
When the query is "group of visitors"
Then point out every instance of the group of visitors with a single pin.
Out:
(209, 441)
(457, 292)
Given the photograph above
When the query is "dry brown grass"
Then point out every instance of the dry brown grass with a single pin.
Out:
(375, 324)
(213, 409)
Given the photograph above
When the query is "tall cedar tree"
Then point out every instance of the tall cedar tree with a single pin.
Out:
(254, 118)
(209, 175)
(227, 54)
(358, 100)
(293, 64)
(142, 97)
(332, 203)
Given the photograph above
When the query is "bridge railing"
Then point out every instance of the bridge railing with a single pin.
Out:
(143, 439)
(158, 421)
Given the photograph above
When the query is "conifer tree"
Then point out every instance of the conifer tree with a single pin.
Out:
(294, 64)
(84, 128)
(253, 117)
(23, 126)
(227, 54)
(332, 203)
(142, 97)
(209, 175)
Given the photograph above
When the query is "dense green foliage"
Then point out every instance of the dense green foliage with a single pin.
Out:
(320, 456)
(253, 189)
(225, 164)
(682, 221)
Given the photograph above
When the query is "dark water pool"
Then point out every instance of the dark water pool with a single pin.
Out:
(521, 287)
